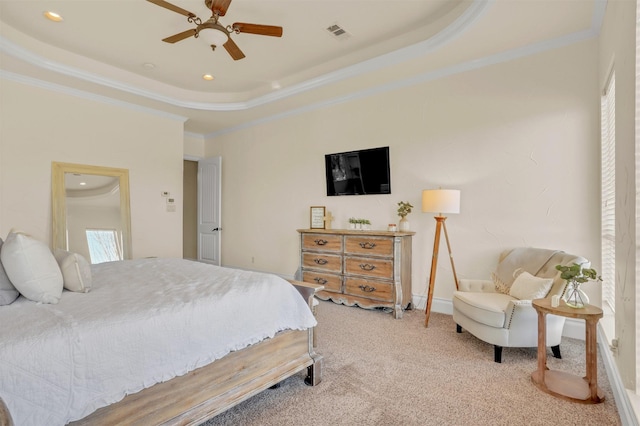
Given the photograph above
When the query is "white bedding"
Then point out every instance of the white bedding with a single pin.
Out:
(143, 322)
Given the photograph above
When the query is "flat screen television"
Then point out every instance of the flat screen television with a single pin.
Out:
(360, 172)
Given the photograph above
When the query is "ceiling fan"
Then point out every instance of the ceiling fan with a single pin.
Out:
(214, 33)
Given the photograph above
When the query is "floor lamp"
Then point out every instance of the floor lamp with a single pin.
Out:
(439, 201)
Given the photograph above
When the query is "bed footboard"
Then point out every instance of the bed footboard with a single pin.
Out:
(203, 393)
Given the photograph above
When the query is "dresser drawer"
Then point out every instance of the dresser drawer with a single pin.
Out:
(368, 245)
(322, 242)
(370, 289)
(329, 281)
(326, 262)
(371, 267)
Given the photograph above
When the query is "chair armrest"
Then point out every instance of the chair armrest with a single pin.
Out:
(521, 320)
(520, 310)
(476, 286)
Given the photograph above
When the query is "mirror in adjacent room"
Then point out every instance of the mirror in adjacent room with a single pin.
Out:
(91, 213)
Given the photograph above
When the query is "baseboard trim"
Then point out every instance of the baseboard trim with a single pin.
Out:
(623, 402)
(575, 329)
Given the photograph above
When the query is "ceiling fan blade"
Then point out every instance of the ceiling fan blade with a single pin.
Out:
(268, 30)
(233, 49)
(172, 7)
(218, 6)
(180, 36)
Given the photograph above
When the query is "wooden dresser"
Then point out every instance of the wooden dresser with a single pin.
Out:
(370, 269)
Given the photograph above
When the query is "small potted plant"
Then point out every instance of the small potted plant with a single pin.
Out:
(575, 275)
(352, 222)
(403, 210)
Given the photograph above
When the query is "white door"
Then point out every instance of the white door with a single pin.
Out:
(209, 183)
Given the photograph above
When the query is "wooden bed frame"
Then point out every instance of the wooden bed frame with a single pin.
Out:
(207, 391)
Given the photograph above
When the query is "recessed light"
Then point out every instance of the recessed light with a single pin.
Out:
(207, 77)
(275, 85)
(83, 183)
(148, 66)
(52, 16)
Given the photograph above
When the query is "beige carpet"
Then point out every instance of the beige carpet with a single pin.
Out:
(381, 371)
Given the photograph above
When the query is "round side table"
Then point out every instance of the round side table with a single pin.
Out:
(558, 383)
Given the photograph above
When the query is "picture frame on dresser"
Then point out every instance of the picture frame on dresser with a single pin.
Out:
(317, 214)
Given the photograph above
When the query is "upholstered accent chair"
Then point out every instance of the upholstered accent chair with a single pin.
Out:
(499, 311)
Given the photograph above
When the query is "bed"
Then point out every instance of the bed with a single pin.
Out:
(155, 341)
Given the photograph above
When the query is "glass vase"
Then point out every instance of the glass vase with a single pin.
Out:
(574, 296)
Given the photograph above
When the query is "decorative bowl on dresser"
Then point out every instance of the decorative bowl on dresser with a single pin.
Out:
(371, 269)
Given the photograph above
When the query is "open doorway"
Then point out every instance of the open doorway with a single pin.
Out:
(190, 210)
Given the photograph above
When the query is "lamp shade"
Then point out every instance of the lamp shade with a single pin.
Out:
(213, 36)
(441, 201)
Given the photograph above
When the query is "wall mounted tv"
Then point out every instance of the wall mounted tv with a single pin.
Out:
(360, 172)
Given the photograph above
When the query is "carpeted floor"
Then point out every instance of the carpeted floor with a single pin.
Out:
(381, 371)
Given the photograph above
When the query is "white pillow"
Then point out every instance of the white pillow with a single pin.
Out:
(31, 267)
(8, 292)
(529, 287)
(76, 272)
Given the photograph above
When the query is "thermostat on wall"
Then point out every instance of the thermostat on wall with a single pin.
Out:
(171, 204)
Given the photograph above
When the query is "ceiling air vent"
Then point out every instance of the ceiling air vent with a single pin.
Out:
(338, 32)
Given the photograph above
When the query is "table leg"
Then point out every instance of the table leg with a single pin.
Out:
(592, 359)
(542, 345)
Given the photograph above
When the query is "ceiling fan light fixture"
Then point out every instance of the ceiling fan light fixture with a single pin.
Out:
(213, 35)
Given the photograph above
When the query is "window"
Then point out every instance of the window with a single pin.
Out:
(104, 245)
(608, 146)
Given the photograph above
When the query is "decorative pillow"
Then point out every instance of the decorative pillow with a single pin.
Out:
(31, 267)
(8, 292)
(529, 287)
(76, 272)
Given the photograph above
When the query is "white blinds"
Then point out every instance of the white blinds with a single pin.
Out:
(608, 145)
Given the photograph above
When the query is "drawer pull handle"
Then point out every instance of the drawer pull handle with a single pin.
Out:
(367, 288)
(367, 245)
(321, 261)
(320, 242)
(320, 280)
(367, 267)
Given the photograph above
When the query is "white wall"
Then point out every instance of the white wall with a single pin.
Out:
(38, 126)
(520, 139)
(193, 146)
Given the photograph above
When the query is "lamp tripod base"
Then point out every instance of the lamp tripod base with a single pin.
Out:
(440, 224)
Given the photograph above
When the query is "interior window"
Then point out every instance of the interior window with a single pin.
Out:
(104, 245)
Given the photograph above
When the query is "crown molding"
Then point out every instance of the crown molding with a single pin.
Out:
(466, 19)
(599, 10)
(423, 78)
(7, 75)
(457, 27)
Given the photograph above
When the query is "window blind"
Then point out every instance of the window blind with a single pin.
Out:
(608, 145)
